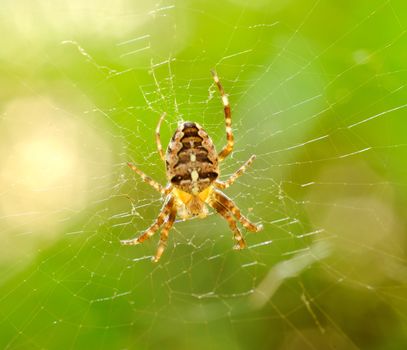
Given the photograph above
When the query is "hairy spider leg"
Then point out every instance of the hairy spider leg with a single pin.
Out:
(149, 180)
(164, 234)
(155, 226)
(222, 210)
(228, 119)
(158, 137)
(227, 203)
(239, 172)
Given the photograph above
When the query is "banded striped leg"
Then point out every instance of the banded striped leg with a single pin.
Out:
(164, 234)
(222, 210)
(148, 179)
(228, 119)
(158, 137)
(238, 173)
(154, 227)
(227, 203)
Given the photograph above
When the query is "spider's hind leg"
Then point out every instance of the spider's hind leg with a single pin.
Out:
(239, 172)
(158, 137)
(228, 119)
(148, 179)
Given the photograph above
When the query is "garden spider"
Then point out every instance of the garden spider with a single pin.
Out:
(192, 168)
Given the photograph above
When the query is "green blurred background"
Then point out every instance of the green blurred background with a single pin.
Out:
(317, 90)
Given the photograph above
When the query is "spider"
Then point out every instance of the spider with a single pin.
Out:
(192, 168)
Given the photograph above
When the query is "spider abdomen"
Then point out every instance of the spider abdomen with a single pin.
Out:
(191, 159)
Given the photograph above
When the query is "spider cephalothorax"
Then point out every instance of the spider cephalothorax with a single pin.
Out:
(192, 167)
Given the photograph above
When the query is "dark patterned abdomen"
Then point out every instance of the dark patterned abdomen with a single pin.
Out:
(191, 159)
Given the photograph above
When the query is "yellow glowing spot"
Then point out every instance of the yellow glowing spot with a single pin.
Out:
(48, 168)
(42, 163)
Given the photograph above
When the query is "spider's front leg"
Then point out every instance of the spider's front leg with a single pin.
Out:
(222, 210)
(164, 234)
(227, 208)
(228, 204)
(165, 211)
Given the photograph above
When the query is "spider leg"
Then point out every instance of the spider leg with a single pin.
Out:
(158, 137)
(164, 234)
(154, 227)
(222, 210)
(228, 119)
(238, 173)
(228, 204)
(149, 180)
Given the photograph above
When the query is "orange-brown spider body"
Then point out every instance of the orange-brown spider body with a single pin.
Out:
(191, 159)
(192, 168)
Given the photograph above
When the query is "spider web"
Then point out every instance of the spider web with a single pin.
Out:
(317, 92)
